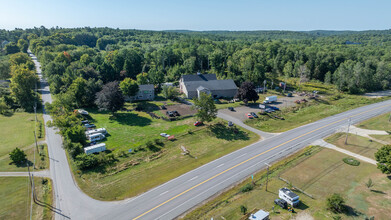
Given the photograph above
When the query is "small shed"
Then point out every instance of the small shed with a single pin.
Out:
(95, 148)
(260, 215)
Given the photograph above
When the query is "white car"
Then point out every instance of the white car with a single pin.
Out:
(164, 135)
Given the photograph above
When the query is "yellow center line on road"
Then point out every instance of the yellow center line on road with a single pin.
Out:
(233, 167)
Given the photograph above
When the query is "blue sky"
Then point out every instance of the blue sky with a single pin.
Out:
(199, 14)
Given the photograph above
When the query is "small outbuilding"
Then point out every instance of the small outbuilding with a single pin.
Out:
(260, 215)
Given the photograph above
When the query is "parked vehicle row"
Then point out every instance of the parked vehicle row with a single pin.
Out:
(172, 113)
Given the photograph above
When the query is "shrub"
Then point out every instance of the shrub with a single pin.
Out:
(351, 161)
(336, 203)
(44, 181)
(158, 141)
(246, 188)
(243, 209)
(149, 144)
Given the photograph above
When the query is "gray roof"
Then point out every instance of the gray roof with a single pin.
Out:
(147, 87)
(226, 84)
(289, 192)
(201, 77)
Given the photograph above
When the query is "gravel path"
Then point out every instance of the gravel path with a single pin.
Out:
(43, 173)
(331, 146)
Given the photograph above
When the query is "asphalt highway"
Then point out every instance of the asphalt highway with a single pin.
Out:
(175, 197)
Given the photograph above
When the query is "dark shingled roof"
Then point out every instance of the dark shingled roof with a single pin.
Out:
(226, 84)
(201, 77)
(148, 87)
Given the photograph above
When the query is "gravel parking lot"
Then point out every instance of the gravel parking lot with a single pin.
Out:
(241, 112)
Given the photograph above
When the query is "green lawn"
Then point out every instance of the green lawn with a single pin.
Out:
(160, 163)
(313, 111)
(41, 160)
(319, 172)
(386, 138)
(356, 144)
(130, 129)
(377, 123)
(17, 131)
(16, 198)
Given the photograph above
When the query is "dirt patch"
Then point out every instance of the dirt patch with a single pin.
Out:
(183, 109)
(303, 216)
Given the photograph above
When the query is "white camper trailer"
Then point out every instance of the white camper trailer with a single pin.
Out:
(96, 137)
(290, 197)
(95, 148)
(270, 99)
(96, 131)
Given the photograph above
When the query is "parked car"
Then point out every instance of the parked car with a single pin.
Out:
(89, 126)
(282, 203)
(231, 109)
(197, 123)
(274, 108)
(164, 135)
(230, 124)
(254, 115)
(289, 95)
(269, 110)
(176, 113)
(163, 107)
(84, 122)
(249, 116)
(170, 113)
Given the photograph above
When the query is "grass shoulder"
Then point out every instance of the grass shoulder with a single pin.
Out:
(16, 198)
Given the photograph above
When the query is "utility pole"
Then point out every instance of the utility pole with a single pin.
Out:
(347, 133)
(267, 175)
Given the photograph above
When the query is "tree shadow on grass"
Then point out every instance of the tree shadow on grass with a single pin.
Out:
(228, 133)
(154, 148)
(378, 191)
(350, 211)
(131, 119)
(26, 163)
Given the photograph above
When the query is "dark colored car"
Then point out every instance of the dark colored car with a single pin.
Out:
(274, 108)
(163, 107)
(231, 109)
(230, 124)
(176, 113)
(289, 95)
(84, 122)
(282, 203)
(254, 115)
(170, 113)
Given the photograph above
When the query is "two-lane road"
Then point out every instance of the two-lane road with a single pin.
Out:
(175, 197)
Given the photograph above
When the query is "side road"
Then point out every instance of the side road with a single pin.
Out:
(42, 173)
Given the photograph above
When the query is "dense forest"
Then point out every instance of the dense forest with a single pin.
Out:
(355, 62)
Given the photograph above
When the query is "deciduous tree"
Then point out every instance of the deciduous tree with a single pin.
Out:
(110, 98)
(17, 156)
(129, 87)
(206, 107)
(247, 92)
(383, 157)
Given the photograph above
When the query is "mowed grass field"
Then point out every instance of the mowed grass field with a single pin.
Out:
(377, 123)
(162, 162)
(356, 144)
(18, 132)
(319, 174)
(130, 129)
(314, 111)
(386, 138)
(16, 199)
